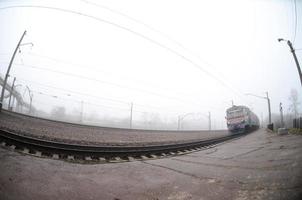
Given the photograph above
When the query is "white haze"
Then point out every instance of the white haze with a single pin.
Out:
(167, 57)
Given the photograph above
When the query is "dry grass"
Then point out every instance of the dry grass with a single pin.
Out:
(295, 131)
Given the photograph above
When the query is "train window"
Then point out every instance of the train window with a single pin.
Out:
(235, 113)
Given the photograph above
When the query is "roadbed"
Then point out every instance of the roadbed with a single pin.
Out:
(92, 135)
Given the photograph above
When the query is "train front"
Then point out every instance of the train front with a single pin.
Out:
(236, 118)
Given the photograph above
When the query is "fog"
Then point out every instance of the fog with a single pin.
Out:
(91, 60)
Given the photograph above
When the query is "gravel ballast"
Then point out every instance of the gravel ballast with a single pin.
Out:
(84, 134)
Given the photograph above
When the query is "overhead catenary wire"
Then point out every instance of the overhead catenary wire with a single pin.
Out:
(134, 20)
(151, 28)
(96, 80)
(193, 63)
(94, 104)
(57, 97)
(137, 21)
(109, 99)
(94, 96)
(104, 71)
(77, 101)
(72, 91)
(296, 19)
(107, 82)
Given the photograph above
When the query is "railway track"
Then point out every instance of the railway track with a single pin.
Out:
(102, 154)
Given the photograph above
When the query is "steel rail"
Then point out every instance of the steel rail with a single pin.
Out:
(104, 151)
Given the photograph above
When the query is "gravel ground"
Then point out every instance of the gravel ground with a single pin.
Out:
(257, 166)
(82, 134)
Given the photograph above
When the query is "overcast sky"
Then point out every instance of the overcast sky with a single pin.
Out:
(169, 57)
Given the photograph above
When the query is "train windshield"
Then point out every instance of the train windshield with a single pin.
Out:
(234, 113)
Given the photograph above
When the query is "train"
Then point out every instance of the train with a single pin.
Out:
(241, 118)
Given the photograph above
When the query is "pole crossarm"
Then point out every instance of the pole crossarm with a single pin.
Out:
(294, 55)
(268, 105)
(256, 96)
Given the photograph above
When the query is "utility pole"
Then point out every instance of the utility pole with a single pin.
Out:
(14, 98)
(11, 92)
(8, 70)
(295, 57)
(131, 112)
(261, 119)
(281, 115)
(14, 104)
(209, 121)
(31, 95)
(268, 105)
(232, 103)
(178, 123)
(269, 109)
(296, 60)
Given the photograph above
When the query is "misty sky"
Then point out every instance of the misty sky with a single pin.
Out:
(167, 57)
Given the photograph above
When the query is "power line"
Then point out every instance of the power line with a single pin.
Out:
(149, 27)
(93, 104)
(97, 70)
(77, 101)
(135, 20)
(133, 32)
(103, 82)
(96, 97)
(94, 79)
(103, 71)
(72, 91)
(295, 4)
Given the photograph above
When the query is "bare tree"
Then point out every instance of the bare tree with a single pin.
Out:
(294, 102)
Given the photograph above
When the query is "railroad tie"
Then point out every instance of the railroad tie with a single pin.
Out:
(144, 157)
(88, 158)
(25, 150)
(153, 156)
(179, 152)
(102, 159)
(70, 157)
(55, 156)
(130, 158)
(118, 159)
(38, 153)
